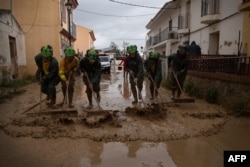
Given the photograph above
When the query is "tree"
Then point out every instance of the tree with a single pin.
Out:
(114, 46)
(124, 45)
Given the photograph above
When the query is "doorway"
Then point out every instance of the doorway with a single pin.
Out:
(214, 43)
(13, 57)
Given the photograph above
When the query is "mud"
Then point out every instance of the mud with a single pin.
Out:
(93, 136)
(155, 122)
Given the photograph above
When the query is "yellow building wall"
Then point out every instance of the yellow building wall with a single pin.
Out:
(40, 22)
(84, 40)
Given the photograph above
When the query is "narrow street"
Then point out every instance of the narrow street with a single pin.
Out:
(189, 135)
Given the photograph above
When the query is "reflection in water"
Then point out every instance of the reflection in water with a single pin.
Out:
(138, 154)
(125, 92)
(133, 148)
(208, 151)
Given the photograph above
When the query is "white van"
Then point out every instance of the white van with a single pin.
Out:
(105, 63)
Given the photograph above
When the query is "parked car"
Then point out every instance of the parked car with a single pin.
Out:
(105, 63)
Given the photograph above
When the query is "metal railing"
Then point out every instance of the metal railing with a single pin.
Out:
(220, 64)
(209, 7)
(167, 33)
(183, 21)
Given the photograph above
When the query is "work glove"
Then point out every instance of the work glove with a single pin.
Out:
(131, 72)
(91, 86)
(85, 74)
(42, 80)
(135, 80)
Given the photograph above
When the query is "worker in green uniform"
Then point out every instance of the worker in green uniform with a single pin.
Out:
(178, 65)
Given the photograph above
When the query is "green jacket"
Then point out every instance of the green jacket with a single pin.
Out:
(178, 63)
(135, 64)
(153, 67)
(94, 70)
(52, 76)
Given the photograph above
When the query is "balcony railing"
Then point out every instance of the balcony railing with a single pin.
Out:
(183, 21)
(221, 64)
(209, 7)
(167, 33)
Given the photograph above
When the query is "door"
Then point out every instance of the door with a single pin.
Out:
(214, 43)
(13, 56)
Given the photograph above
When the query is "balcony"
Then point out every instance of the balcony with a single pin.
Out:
(183, 24)
(245, 6)
(169, 33)
(210, 11)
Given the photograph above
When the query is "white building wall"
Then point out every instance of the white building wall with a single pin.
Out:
(9, 28)
(227, 28)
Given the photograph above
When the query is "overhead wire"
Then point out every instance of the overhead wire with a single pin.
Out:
(34, 18)
(110, 15)
(124, 3)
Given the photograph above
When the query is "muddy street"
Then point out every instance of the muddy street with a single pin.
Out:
(167, 134)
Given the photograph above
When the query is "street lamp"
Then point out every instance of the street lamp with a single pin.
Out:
(69, 7)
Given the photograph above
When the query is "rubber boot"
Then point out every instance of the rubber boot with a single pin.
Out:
(139, 95)
(98, 97)
(70, 100)
(135, 98)
(178, 93)
(173, 94)
(89, 95)
(152, 94)
(47, 99)
(64, 93)
(53, 101)
(156, 93)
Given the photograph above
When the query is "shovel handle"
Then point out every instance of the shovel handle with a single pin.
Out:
(67, 90)
(178, 83)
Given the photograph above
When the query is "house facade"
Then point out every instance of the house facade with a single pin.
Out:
(12, 52)
(221, 29)
(43, 22)
(245, 8)
(215, 25)
(85, 40)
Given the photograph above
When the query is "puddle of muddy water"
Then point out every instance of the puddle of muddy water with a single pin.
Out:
(194, 152)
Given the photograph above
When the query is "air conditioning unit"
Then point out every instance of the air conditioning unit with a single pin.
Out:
(172, 35)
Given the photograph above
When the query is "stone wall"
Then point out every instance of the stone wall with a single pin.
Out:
(231, 95)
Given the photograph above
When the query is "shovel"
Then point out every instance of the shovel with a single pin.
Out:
(40, 104)
(155, 87)
(182, 100)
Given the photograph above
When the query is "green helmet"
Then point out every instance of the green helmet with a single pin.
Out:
(153, 54)
(46, 51)
(132, 49)
(69, 52)
(92, 55)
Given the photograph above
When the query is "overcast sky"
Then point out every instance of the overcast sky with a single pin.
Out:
(117, 20)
